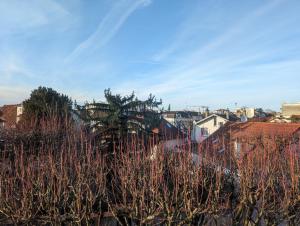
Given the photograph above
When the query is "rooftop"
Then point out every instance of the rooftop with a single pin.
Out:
(9, 114)
(256, 129)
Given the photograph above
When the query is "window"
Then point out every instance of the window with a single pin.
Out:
(204, 131)
(215, 121)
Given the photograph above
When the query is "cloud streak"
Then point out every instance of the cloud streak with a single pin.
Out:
(108, 27)
(226, 62)
(17, 17)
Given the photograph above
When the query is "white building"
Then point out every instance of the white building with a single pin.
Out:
(206, 127)
(250, 112)
(19, 113)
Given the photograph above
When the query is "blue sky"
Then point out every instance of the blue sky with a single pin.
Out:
(189, 53)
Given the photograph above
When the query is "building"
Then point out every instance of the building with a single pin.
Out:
(236, 141)
(183, 120)
(11, 115)
(2, 121)
(289, 110)
(278, 118)
(202, 129)
(19, 112)
(226, 113)
(170, 135)
(246, 112)
(247, 137)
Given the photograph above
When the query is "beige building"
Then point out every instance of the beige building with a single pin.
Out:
(291, 109)
(247, 112)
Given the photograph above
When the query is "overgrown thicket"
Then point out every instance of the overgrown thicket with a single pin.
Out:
(50, 177)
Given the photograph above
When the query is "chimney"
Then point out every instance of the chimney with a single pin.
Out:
(206, 113)
(227, 115)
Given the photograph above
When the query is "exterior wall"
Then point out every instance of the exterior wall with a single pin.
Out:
(210, 127)
(19, 113)
(250, 112)
(290, 109)
(170, 120)
(237, 148)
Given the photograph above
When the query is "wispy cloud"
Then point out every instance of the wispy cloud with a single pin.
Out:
(22, 16)
(212, 67)
(200, 52)
(108, 26)
(188, 30)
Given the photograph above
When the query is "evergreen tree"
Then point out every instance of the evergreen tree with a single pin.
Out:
(121, 115)
(45, 102)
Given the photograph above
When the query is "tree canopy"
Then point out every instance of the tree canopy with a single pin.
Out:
(46, 102)
(121, 115)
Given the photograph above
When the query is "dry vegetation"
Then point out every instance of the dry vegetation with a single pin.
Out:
(56, 177)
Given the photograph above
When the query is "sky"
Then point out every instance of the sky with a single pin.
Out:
(216, 53)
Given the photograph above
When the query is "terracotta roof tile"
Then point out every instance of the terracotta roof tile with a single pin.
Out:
(9, 115)
(255, 129)
(169, 131)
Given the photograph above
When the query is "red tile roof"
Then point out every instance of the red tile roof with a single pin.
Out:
(168, 131)
(255, 129)
(9, 115)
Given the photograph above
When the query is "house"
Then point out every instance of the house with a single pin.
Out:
(172, 140)
(202, 129)
(247, 137)
(170, 136)
(11, 115)
(226, 113)
(279, 119)
(236, 141)
(183, 120)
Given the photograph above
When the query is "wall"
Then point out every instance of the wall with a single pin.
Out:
(209, 126)
(19, 113)
(290, 109)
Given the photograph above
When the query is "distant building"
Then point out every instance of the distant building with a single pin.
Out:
(202, 129)
(250, 112)
(289, 110)
(278, 118)
(182, 119)
(247, 112)
(226, 113)
(171, 137)
(11, 115)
